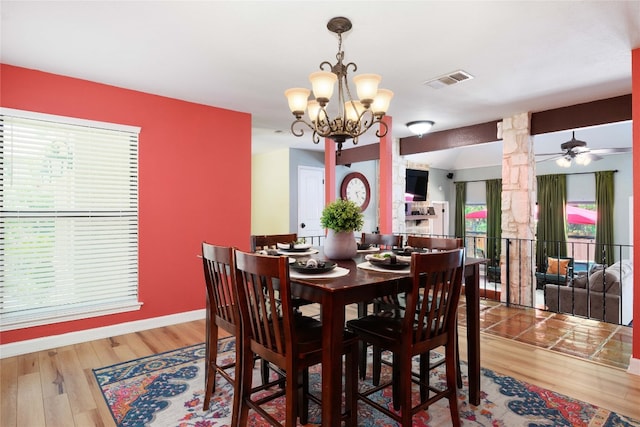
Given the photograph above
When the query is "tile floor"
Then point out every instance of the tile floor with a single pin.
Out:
(597, 341)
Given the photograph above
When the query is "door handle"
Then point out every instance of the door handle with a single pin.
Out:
(303, 225)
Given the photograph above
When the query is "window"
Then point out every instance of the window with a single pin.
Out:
(69, 223)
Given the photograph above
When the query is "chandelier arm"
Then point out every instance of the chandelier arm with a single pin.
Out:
(327, 63)
(300, 132)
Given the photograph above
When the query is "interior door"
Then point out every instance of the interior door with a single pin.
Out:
(440, 224)
(310, 201)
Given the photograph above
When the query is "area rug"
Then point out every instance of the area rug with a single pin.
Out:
(167, 390)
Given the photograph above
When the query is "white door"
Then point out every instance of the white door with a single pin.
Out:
(310, 201)
(440, 224)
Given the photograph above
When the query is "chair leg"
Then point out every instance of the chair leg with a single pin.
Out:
(351, 386)
(362, 346)
(211, 350)
(404, 394)
(452, 373)
(237, 396)
(303, 399)
(245, 387)
(396, 384)
(425, 360)
(376, 364)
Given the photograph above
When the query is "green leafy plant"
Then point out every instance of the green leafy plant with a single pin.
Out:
(342, 215)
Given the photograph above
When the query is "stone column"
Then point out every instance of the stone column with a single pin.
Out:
(519, 189)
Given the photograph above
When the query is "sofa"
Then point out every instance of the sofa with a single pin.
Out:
(603, 293)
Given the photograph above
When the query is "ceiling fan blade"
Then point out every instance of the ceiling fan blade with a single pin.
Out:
(611, 150)
(554, 157)
(550, 154)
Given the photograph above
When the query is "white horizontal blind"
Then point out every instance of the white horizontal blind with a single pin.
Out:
(69, 225)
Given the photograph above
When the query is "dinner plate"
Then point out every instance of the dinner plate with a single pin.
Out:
(298, 247)
(392, 262)
(321, 267)
(408, 251)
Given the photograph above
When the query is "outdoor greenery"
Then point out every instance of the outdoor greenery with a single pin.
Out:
(342, 215)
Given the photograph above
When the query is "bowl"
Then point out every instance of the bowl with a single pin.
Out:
(317, 268)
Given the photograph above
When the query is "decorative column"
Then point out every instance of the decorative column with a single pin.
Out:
(519, 189)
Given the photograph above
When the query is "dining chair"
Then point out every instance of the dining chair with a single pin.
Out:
(289, 341)
(431, 243)
(439, 243)
(268, 241)
(222, 312)
(428, 322)
(383, 241)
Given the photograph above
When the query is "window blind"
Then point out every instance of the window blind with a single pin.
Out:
(69, 224)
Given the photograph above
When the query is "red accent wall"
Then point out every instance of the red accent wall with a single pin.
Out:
(635, 115)
(195, 183)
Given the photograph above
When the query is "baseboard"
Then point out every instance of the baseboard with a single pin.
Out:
(45, 343)
(634, 366)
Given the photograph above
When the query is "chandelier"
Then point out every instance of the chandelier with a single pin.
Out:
(354, 116)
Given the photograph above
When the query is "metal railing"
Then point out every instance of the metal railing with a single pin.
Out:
(589, 288)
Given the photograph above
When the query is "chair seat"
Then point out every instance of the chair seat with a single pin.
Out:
(381, 328)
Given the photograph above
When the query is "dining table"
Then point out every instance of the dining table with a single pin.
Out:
(363, 285)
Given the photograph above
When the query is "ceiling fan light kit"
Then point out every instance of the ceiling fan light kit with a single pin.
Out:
(354, 116)
(576, 150)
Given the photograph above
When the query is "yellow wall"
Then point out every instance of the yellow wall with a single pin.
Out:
(270, 187)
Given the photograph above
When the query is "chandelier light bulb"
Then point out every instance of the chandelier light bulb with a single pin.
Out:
(381, 102)
(322, 83)
(367, 87)
(297, 98)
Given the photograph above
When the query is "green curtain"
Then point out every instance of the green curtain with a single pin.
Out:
(552, 217)
(494, 220)
(604, 223)
(461, 197)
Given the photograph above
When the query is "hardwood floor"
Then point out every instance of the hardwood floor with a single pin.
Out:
(57, 387)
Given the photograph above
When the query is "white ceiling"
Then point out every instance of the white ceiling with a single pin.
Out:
(241, 55)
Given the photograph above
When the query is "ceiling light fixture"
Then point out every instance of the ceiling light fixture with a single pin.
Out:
(420, 127)
(353, 117)
(564, 161)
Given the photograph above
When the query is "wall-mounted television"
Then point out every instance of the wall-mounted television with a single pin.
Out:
(416, 185)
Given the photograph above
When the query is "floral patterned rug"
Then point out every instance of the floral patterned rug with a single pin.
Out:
(167, 390)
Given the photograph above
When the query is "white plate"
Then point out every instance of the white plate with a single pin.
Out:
(297, 247)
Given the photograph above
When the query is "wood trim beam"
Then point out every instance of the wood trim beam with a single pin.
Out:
(592, 113)
(452, 138)
(359, 154)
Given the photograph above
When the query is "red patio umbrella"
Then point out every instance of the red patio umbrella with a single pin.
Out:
(476, 215)
(575, 215)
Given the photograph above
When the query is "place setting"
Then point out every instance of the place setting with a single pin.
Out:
(316, 269)
(367, 248)
(295, 249)
(386, 261)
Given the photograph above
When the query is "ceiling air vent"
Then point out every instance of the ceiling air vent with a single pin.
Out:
(448, 79)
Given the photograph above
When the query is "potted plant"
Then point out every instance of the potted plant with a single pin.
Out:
(341, 218)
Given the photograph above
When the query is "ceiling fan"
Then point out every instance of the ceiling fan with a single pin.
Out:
(576, 150)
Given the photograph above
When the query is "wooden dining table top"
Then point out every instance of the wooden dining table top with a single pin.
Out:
(362, 285)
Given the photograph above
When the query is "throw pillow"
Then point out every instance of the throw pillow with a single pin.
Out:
(580, 280)
(598, 280)
(557, 266)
